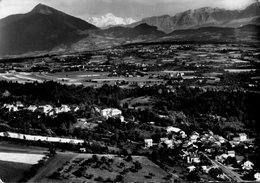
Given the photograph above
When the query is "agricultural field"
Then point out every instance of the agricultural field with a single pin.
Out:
(89, 167)
(76, 78)
(17, 159)
(96, 79)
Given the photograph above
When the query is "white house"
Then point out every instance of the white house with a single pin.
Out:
(194, 137)
(167, 142)
(248, 165)
(171, 129)
(148, 143)
(32, 108)
(183, 134)
(110, 112)
(221, 139)
(45, 109)
(191, 168)
(19, 104)
(11, 107)
(257, 176)
(232, 154)
(65, 108)
(242, 137)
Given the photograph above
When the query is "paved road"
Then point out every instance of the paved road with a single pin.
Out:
(230, 173)
(233, 175)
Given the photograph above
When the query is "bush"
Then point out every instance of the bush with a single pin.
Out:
(119, 178)
(129, 158)
(88, 176)
(95, 158)
(99, 179)
(108, 180)
(151, 174)
(147, 176)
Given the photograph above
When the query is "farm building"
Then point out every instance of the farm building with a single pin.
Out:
(110, 112)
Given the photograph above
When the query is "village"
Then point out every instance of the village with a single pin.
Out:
(186, 114)
(224, 158)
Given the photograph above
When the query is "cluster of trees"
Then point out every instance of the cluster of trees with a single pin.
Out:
(36, 123)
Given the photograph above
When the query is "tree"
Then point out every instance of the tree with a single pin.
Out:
(194, 176)
(119, 178)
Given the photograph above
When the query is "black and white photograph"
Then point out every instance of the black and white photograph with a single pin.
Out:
(129, 91)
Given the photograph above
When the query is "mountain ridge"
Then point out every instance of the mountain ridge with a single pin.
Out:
(45, 29)
(201, 17)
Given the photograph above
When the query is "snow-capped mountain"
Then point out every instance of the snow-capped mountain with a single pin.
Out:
(110, 20)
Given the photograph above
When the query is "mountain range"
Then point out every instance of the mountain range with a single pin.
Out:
(41, 29)
(109, 20)
(46, 29)
(203, 17)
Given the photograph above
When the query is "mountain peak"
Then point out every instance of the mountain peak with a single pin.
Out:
(110, 20)
(43, 9)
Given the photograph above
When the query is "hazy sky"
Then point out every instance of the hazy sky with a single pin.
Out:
(136, 9)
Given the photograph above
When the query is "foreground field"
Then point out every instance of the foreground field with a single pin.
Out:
(70, 167)
(17, 159)
(12, 172)
(21, 157)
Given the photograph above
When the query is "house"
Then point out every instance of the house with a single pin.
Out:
(231, 154)
(19, 104)
(45, 109)
(169, 143)
(171, 129)
(183, 134)
(11, 107)
(220, 139)
(194, 137)
(82, 150)
(110, 112)
(148, 143)
(65, 108)
(61, 109)
(193, 158)
(242, 137)
(6, 94)
(206, 169)
(162, 140)
(122, 119)
(32, 108)
(248, 165)
(257, 176)
(221, 158)
(75, 108)
(191, 168)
